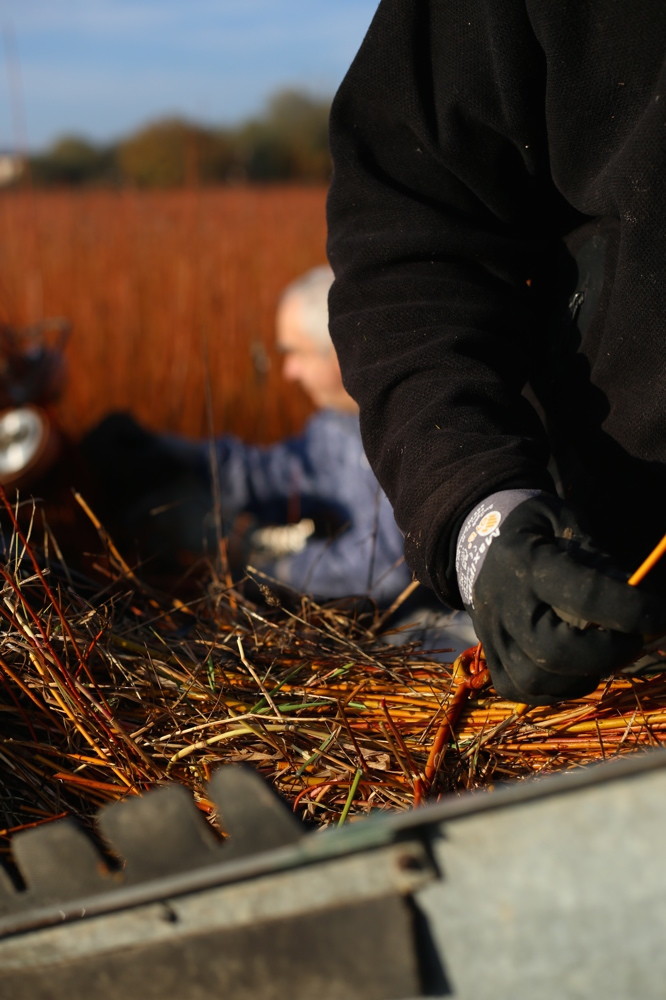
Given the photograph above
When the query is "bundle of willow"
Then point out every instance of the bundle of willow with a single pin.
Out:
(108, 691)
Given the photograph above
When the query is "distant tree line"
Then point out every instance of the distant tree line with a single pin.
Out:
(289, 141)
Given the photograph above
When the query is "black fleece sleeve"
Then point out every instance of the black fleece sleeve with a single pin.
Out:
(441, 214)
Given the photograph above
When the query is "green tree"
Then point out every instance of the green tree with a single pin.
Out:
(302, 122)
(290, 141)
(173, 152)
(72, 159)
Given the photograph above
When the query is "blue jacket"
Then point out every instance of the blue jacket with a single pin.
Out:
(321, 473)
(155, 489)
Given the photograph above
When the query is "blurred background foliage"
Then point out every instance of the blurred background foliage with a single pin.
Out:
(287, 142)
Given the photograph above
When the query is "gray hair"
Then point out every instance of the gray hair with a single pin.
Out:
(312, 291)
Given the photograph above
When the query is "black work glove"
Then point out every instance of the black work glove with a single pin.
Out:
(553, 614)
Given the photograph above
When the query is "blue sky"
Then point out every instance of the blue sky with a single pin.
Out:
(100, 68)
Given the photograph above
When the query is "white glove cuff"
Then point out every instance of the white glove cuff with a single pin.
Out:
(477, 533)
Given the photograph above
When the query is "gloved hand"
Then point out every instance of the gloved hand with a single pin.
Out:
(250, 542)
(553, 614)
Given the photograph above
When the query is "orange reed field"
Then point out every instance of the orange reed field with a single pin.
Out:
(168, 293)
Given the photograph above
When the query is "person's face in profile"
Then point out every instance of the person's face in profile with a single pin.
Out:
(313, 366)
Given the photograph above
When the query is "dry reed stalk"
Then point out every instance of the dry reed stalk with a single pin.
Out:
(154, 284)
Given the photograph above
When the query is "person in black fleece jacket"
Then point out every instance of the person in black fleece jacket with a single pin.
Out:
(497, 229)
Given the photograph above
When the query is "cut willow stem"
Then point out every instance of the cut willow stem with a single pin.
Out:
(647, 565)
(106, 539)
(350, 797)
